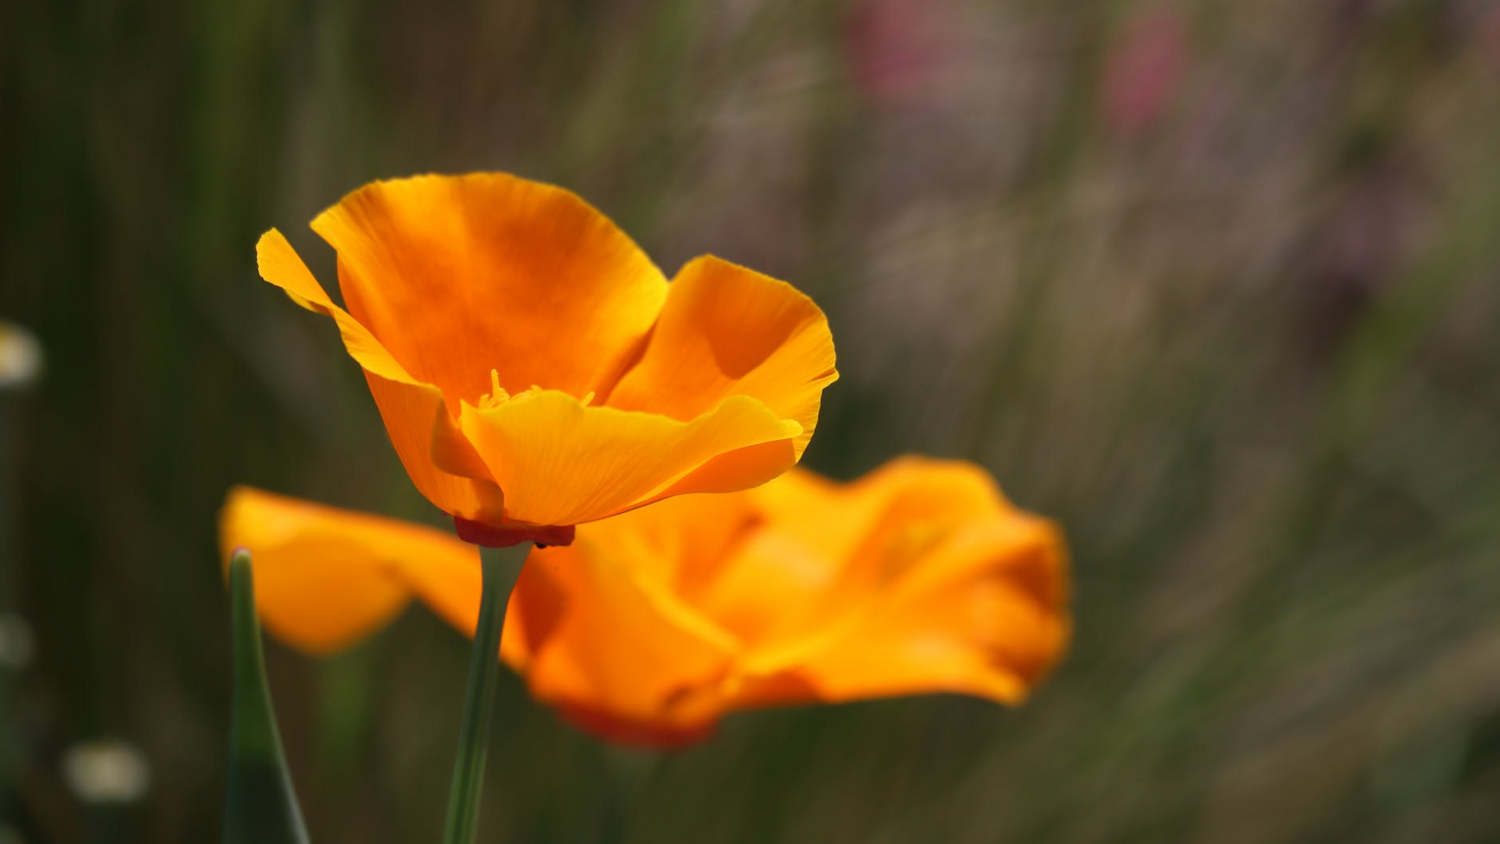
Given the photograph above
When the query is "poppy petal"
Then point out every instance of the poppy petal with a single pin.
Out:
(280, 265)
(678, 543)
(607, 615)
(459, 275)
(537, 606)
(981, 615)
(325, 578)
(726, 330)
(451, 450)
(652, 732)
(807, 571)
(413, 415)
(743, 468)
(560, 462)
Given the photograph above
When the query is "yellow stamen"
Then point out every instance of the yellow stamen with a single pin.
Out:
(497, 394)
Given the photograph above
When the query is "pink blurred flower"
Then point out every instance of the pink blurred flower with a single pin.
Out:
(1489, 37)
(1143, 73)
(894, 48)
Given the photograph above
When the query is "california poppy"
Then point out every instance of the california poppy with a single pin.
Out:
(918, 578)
(536, 371)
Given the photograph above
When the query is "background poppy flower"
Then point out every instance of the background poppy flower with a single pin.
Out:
(918, 578)
(534, 368)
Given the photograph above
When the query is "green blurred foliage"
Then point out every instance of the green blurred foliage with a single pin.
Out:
(1212, 283)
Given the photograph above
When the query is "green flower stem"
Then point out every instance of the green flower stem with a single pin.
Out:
(501, 567)
(260, 807)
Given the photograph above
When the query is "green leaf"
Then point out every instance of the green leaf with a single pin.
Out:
(260, 807)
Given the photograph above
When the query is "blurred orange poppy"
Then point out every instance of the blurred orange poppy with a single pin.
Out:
(918, 578)
(534, 369)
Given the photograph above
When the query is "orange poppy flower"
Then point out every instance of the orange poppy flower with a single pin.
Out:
(917, 578)
(534, 369)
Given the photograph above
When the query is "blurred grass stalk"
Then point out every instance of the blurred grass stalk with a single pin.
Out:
(261, 805)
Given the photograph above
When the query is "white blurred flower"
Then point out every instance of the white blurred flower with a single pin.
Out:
(106, 771)
(20, 356)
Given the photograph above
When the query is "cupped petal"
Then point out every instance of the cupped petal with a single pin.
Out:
(414, 415)
(326, 578)
(611, 657)
(414, 412)
(740, 469)
(773, 589)
(982, 613)
(678, 544)
(828, 548)
(729, 331)
(560, 462)
(1007, 579)
(537, 605)
(458, 275)
(280, 265)
(918, 576)
(911, 501)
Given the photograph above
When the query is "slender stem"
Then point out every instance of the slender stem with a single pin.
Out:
(501, 567)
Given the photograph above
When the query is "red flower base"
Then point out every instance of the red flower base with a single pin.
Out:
(492, 536)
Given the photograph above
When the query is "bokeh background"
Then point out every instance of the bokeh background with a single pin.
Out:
(1214, 283)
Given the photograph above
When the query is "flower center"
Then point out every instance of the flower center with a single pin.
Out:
(498, 395)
